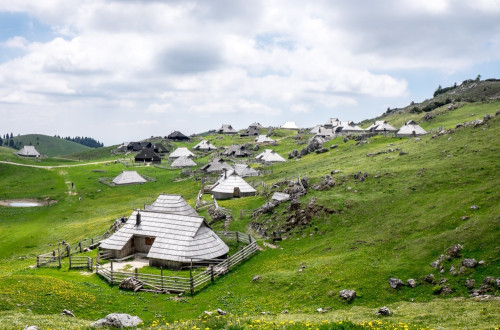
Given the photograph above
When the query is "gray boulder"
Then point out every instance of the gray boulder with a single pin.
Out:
(489, 280)
(411, 283)
(256, 278)
(446, 290)
(395, 283)
(333, 146)
(469, 263)
(454, 250)
(474, 207)
(470, 283)
(221, 312)
(384, 311)
(31, 327)
(66, 312)
(429, 278)
(497, 281)
(117, 320)
(347, 295)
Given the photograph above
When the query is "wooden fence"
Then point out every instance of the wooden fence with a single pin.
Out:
(173, 284)
(246, 213)
(49, 259)
(81, 262)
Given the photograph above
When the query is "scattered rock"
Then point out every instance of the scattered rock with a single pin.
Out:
(402, 153)
(497, 281)
(86, 250)
(345, 139)
(384, 311)
(334, 146)
(66, 312)
(465, 217)
(221, 312)
(360, 176)
(395, 282)
(321, 310)
(294, 204)
(474, 207)
(411, 282)
(470, 283)
(429, 278)
(284, 311)
(454, 251)
(326, 183)
(347, 294)
(489, 280)
(208, 313)
(31, 327)
(321, 150)
(453, 271)
(293, 154)
(118, 320)
(435, 264)
(486, 117)
(480, 263)
(256, 278)
(446, 290)
(469, 263)
(442, 281)
(417, 139)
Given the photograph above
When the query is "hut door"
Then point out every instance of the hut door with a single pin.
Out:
(236, 192)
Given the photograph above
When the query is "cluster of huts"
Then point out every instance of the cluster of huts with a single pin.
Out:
(169, 233)
(334, 127)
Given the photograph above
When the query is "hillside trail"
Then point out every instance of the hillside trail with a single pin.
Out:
(48, 167)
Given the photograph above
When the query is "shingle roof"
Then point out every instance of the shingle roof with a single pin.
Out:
(270, 156)
(176, 135)
(216, 165)
(226, 129)
(411, 128)
(183, 161)
(245, 170)
(173, 204)
(279, 196)
(177, 237)
(204, 145)
(264, 139)
(289, 125)
(128, 177)
(29, 151)
(181, 152)
(229, 181)
(256, 125)
(148, 155)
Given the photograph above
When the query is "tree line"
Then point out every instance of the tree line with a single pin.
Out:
(84, 140)
(8, 140)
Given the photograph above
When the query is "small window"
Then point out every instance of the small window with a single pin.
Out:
(150, 240)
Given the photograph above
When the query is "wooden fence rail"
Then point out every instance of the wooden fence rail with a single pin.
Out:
(49, 259)
(81, 262)
(164, 284)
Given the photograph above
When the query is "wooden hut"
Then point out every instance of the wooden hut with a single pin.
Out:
(411, 128)
(237, 151)
(128, 177)
(28, 151)
(245, 170)
(147, 156)
(204, 145)
(177, 136)
(216, 165)
(270, 156)
(290, 125)
(168, 240)
(179, 152)
(227, 129)
(264, 139)
(231, 185)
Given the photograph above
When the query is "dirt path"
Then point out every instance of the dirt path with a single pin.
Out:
(55, 166)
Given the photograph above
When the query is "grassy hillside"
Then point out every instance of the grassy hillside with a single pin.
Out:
(395, 223)
(51, 146)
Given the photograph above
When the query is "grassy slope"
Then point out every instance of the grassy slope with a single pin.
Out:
(392, 226)
(51, 146)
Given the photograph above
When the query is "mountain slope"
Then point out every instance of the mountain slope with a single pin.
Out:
(51, 146)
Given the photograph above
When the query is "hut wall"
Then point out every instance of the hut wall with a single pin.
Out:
(140, 244)
(169, 264)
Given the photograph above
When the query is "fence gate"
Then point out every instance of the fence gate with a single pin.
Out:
(49, 259)
(81, 262)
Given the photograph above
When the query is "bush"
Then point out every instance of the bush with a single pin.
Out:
(437, 289)
(415, 110)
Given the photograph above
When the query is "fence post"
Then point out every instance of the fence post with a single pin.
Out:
(242, 253)
(237, 238)
(59, 261)
(249, 239)
(92, 240)
(136, 273)
(212, 272)
(191, 282)
(69, 261)
(37, 261)
(80, 245)
(97, 257)
(111, 271)
(161, 269)
(91, 261)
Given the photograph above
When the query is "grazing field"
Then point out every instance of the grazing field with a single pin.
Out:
(414, 204)
(49, 145)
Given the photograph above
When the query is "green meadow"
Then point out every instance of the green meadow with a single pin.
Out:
(414, 204)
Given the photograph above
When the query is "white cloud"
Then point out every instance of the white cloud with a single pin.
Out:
(200, 59)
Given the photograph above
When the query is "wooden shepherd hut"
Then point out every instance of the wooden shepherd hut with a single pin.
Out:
(204, 145)
(231, 185)
(128, 177)
(147, 156)
(183, 161)
(270, 155)
(168, 240)
(177, 136)
(216, 165)
(179, 152)
(28, 151)
(411, 128)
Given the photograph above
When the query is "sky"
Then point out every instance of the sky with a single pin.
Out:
(127, 70)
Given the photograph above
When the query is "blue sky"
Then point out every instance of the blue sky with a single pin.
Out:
(126, 70)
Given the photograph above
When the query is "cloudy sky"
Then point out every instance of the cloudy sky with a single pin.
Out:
(124, 70)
